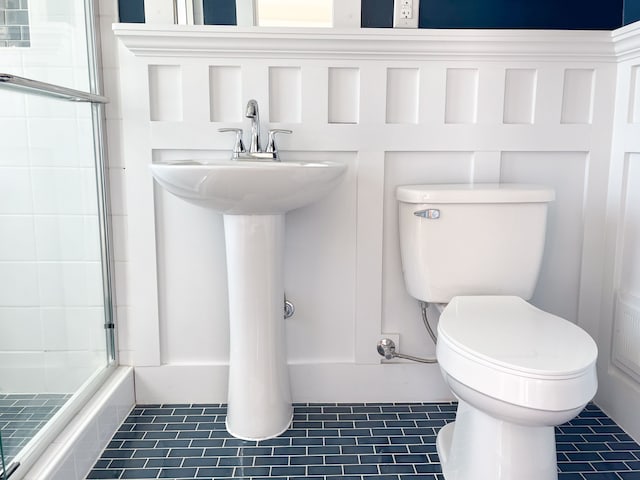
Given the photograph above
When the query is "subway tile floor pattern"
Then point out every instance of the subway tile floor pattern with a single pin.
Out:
(23, 415)
(335, 442)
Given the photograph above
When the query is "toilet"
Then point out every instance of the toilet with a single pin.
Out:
(516, 370)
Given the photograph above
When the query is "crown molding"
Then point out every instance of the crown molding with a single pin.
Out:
(389, 44)
(626, 41)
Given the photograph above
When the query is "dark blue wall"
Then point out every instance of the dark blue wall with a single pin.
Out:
(377, 13)
(543, 14)
(219, 12)
(631, 11)
(131, 11)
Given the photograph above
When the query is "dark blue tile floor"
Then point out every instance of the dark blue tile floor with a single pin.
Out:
(23, 415)
(335, 442)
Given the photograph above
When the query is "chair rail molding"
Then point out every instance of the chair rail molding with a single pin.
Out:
(383, 44)
(627, 41)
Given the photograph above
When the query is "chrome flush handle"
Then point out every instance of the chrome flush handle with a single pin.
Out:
(430, 213)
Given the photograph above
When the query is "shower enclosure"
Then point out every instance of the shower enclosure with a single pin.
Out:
(56, 319)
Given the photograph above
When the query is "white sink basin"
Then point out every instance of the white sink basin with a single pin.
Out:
(241, 187)
(254, 197)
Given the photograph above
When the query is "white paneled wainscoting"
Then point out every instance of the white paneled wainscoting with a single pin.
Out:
(397, 107)
(619, 328)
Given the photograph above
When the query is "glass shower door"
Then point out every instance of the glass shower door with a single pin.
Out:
(56, 326)
(52, 316)
(2, 464)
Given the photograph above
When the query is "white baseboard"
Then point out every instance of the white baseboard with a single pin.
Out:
(329, 382)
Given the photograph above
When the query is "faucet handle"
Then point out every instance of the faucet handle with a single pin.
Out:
(271, 145)
(238, 146)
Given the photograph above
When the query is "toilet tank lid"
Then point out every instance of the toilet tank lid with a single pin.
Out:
(475, 193)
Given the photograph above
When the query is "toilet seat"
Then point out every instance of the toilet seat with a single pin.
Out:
(508, 349)
(523, 338)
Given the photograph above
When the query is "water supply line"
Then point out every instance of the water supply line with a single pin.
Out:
(425, 320)
(387, 347)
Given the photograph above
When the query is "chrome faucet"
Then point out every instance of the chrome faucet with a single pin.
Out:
(255, 150)
(253, 113)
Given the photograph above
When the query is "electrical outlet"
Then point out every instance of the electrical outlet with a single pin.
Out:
(405, 13)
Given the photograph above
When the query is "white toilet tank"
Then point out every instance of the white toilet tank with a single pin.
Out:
(481, 239)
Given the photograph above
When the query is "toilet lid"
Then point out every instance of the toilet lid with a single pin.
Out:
(512, 334)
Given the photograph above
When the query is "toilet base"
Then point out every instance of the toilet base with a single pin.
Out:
(479, 447)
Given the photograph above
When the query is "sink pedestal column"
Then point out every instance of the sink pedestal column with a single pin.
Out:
(259, 399)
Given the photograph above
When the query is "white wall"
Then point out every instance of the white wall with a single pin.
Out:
(619, 329)
(396, 107)
(51, 316)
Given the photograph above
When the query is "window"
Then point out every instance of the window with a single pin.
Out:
(293, 13)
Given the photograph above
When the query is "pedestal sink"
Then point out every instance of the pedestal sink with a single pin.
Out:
(254, 197)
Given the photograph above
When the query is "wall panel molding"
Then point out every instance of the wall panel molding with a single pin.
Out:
(619, 393)
(397, 107)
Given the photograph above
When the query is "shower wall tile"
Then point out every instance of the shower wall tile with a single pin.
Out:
(18, 284)
(50, 156)
(14, 134)
(56, 141)
(70, 284)
(22, 371)
(344, 95)
(13, 156)
(63, 191)
(15, 191)
(67, 371)
(94, 316)
(44, 108)
(12, 105)
(17, 238)
(577, 98)
(66, 237)
(21, 329)
(285, 94)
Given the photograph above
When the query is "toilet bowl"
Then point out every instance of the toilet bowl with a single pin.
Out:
(517, 372)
